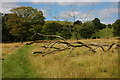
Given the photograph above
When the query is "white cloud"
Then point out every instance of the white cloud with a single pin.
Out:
(60, 1)
(68, 15)
(103, 15)
(76, 3)
(110, 0)
(78, 15)
(35, 1)
(45, 13)
(106, 13)
(6, 6)
(106, 22)
(74, 0)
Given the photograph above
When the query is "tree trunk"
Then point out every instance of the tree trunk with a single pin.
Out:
(22, 41)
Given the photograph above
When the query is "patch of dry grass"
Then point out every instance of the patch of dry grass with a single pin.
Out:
(93, 65)
(8, 48)
(59, 65)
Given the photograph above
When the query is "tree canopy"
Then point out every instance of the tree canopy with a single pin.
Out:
(97, 24)
(23, 21)
(116, 26)
(86, 30)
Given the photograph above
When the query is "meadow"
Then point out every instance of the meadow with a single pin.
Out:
(18, 62)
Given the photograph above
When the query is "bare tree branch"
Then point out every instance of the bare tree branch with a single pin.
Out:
(52, 36)
(55, 51)
(111, 46)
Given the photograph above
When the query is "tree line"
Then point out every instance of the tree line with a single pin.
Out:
(23, 22)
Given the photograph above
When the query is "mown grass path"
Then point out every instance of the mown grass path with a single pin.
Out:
(17, 65)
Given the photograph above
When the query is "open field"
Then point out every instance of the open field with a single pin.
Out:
(22, 64)
(107, 33)
(8, 48)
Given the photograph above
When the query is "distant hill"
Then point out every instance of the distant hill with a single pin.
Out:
(104, 33)
(61, 22)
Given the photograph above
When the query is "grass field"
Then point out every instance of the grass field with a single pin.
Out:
(22, 64)
(104, 33)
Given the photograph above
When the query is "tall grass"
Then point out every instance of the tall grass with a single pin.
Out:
(93, 65)
(82, 66)
(21, 64)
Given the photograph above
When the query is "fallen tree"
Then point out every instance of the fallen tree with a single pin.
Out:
(50, 46)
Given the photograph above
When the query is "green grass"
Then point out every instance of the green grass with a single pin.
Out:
(104, 33)
(0, 69)
(17, 65)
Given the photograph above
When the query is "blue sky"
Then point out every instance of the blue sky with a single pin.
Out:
(107, 12)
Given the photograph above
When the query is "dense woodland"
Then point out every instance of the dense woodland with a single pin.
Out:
(23, 22)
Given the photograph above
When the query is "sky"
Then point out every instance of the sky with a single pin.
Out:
(71, 10)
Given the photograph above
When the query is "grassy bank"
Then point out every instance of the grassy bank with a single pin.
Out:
(104, 33)
(17, 65)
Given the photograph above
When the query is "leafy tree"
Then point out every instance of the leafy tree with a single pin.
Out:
(66, 31)
(55, 28)
(97, 24)
(77, 22)
(1, 16)
(5, 31)
(6, 35)
(109, 26)
(65, 34)
(86, 30)
(16, 26)
(103, 26)
(51, 28)
(75, 29)
(116, 26)
(23, 21)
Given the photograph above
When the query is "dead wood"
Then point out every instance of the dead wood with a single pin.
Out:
(111, 46)
(50, 46)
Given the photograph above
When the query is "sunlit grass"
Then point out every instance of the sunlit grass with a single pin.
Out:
(59, 65)
(17, 65)
(104, 33)
(93, 65)
(9, 48)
